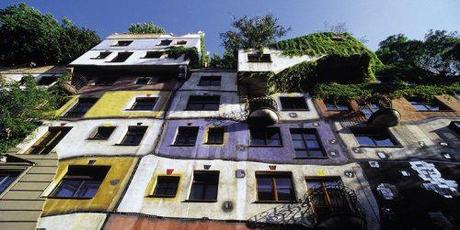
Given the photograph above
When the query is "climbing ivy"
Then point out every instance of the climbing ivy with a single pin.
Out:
(189, 52)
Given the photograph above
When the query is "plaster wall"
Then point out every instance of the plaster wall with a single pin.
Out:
(237, 143)
(228, 81)
(89, 221)
(76, 142)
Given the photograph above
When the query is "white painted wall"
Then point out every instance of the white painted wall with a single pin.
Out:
(74, 221)
(301, 115)
(228, 81)
(76, 144)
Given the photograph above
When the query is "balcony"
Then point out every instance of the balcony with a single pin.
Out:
(263, 111)
(330, 207)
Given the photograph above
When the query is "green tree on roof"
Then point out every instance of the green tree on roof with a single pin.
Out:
(146, 28)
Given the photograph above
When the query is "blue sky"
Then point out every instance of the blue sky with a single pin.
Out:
(370, 18)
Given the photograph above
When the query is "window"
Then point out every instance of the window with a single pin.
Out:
(259, 58)
(267, 136)
(47, 80)
(105, 81)
(153, 54)
(143, 80)
(102, 133)
(374, 137)
(144, 103)
(82, 106)
(121, 57)
(275, 187)
(209, 81)
(329, 197)
(306, 143)
(47, 143)
(181, 42)
(186, 136)
(7, 177)
(293, 103)
(123, 43)
(134, 135)
(336, 105)
(204, 186)
(369, 108)
(81, 181)
(166, 186)
(215, 136)
(102, 55)
(427, 106)
(455, 126)
(203, 103)
(165, 42)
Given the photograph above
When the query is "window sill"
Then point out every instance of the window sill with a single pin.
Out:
(274, 202)
(173, 145)
(214, 144)
(69, 198)
(311, 158)
(160, 197)
(126, 145)
(376, 147)
(200, 201)
(265, 146)
(95, 139)
(294, 110)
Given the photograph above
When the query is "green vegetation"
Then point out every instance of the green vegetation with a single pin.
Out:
(27, 35)
(189, 52)
(204, 55)
(146, 28)
(22, 107)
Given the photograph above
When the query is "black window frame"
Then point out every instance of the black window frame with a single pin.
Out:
(165, 42)
(44, 80)
(306, 134)
(181, 42)
(83, 105)
(102, 133)
(290, 103)
(102, 55)
(83, 174)
(153, 54)
(137, 82)
(212, 140)
(141, 103)
(163, 186)
(428, 106)
(123, 43)
(121, 57)
(201, 179)
(265, 130)
(212, 101)
(210, 80)
(48, 141)
(182, 132)
(272, 176)
(134, 132)
(371, 133)
(259, 58)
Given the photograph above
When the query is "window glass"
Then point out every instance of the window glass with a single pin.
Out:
(266, 136)
(103, 133)
(215, 135)
(134, 135)
(81, 182)
(204, 186)
(293, 103)
(186, 136)
(275, 187)
(166, 186)
(306, 143)
(203, 103)
(7, 177)
(144, 103)
(82, 106)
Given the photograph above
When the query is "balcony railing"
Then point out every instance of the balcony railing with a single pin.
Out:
(263, 111)
(330, 207)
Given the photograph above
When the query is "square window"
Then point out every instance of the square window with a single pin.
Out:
(203, 103)
(256, 57)
(204, 186)
(144, 103)
(123, 43)
(166, 186)
(422, 105)
(374, 137)
(81, 181)
(7, 177)
(102, 133)
(265, 136)
(153, 54)
(143, 80)
(293, 103)
(134, 135)
(47, 80)
(121, 57)
(186, 136)
(307, 143)
(210, 81)
(166, 42)
(215, 136)
(102, 55)
(82, 106)
(275, 187)
(455, 126)
(47, 143)
(333, 105)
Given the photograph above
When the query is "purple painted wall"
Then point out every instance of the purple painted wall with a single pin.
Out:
(237, 143)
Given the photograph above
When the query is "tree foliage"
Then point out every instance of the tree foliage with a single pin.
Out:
(146, 28)
(22, 106)
(249, 33)
(421, 61)
(27, 35)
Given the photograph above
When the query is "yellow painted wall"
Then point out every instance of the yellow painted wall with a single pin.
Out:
(114, 104)
(71, 102)
(107, 195)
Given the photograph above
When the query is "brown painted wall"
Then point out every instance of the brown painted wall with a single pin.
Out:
(122, 222)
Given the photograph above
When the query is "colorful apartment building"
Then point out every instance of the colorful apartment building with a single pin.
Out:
(150, 141)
